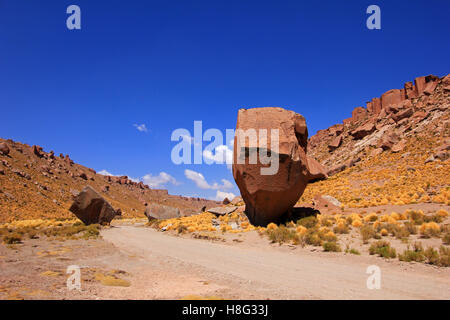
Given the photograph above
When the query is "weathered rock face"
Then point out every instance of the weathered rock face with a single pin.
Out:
(268, 197)
(161, 212)
(391, 97)
(90, 207)
(374, 106)
(4, 149)
(358, 114)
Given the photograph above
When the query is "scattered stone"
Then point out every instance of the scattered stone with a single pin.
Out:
(363, 131)
(402, 115)
(83, 176)
(430, 159)
(442, 155)
(399, 146)
(316, 170)
(226, 201)
(376, 152)
(4, 149)
(221, 211)
(335, 143)
(38, 151)
(326, 204)
(236, 200)
(388, 140)
(161, 212)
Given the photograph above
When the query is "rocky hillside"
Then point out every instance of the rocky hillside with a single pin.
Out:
(38, 184)
(394, 151)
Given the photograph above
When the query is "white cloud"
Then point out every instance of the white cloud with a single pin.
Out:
(201, 182)
(159, 180)
(141, 127)
(220, 195)
(222, 154)
(106, 173)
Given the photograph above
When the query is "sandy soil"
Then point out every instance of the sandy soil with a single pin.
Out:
(235, 266)
(280, 272)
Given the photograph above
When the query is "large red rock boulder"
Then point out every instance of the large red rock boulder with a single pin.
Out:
(90, 207)
(268, 196)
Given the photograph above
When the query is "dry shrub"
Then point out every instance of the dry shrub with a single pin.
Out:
(383, 249)
(331, 246)
(411, 227)
(371, 217)
(415, 254)
(308, 222)
(341, 228)
(367, 232)
(111, 280)
(446, 239)
(429, 229)
(282, 235)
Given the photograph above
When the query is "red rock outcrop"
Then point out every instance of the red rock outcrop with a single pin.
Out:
(398, 110)
(374, 106)
(392, 97)
(358, 114)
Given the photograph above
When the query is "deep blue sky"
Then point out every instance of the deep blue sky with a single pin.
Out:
(167, 63)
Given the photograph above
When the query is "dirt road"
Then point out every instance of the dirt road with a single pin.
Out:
(275, 273)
